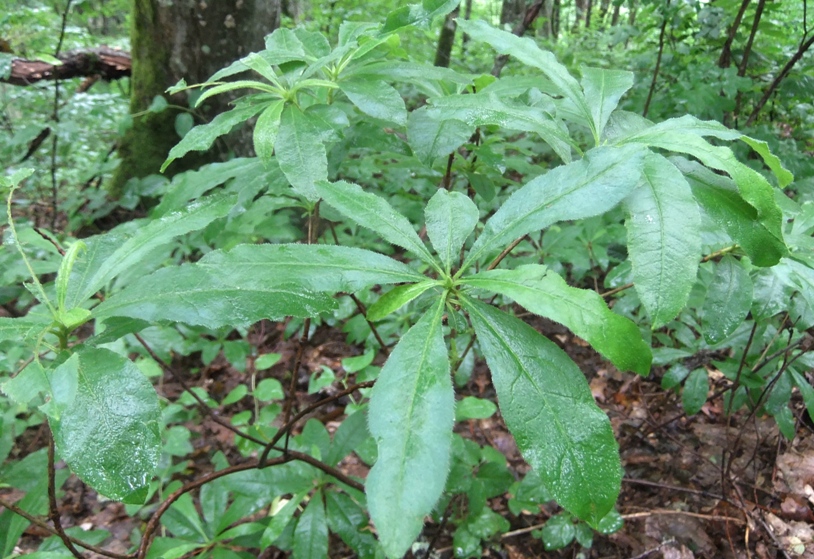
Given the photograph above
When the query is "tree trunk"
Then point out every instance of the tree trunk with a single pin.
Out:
(190, 40)
(443, 53)
(555, 19)
(726, 52)
(512, 10)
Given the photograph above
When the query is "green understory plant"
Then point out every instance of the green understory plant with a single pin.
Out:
(312, 100)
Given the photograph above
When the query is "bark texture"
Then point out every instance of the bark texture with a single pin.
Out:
(186, 39)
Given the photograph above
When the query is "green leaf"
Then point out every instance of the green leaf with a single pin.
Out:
(201, 137)
(20, 328)
(265, 130)
(300, 152)
(547, 405)
(806, 391)
(450, 218)
(280, 520)
(109, 435)
(375, 213)
(584, 312)
(283, 46)
(529, 53)
(721, 201)
(664, 240)
(729, 298)
(62, 386)
(397, 298)
(431, 137)
(27, 384)
(347, 520)
(695, 391)
(375, 98)
(483, 109)
(269, 389)
(603, 89)
(474, 408)
(417, 15)
(482, 185)
(350, 434)
(684, 135)
(411, 417)
(558, 532)
(252, 282)
(584, 188)
(311, 533)
(783, 175)
(109, 255)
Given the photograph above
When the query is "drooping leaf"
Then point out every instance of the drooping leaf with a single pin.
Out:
(685, 135)
(252, 282)
(375, 213)
(547, 405)
(411, 417)
(375, 98)
(584, 188)
(450, 218)
(109, 255)
(109, 434)
(529, 53)
(720, 199)
(417, 15)
(347, 520)
(397, 298)
(584, 312)
(783, 175)
(431, 137)
(311, 533)
(728, 300)
(486, 108)
(664, 240)
(202, 136)
(300, 152)
(603, 89)
(265, 130)
(27, 384)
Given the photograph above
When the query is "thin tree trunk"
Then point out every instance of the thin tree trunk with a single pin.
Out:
(555, 19)
(443, 53)
(801, 50)
(520, 29)
(604, 5)
(726, 52)
(465, 38)
(657, 68)
(615, 18)
(511, 10)
(747, 51)
(588, 7)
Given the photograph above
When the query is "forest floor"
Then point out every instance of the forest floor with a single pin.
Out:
(705, 486)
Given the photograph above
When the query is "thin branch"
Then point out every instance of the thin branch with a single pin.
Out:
(202, 405)
(53, 506)
(286, 428)
(505, 252)
(657, 68)
(55, 118)
(361, 306)
(726, 52)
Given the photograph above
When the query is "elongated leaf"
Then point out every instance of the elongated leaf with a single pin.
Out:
(695, 391)
(720, 199)
(375, 213)
(663, 239)
(109, 434)
(347, 520)
(547, 405)
(417, 15)
(300, 152)
(201, 137)
(450, 218)
(265, 130)
(603, 89)
(21, 328)
(396, 298)
(283, 46)
(252, 282)
(584, 188)
(584, 312)
(529, 53)
(684, 135)
(729, 298)
(487, 108)
(411, 417)
(112, 254)
(311, 533)
(432, 136)
(376, 98)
